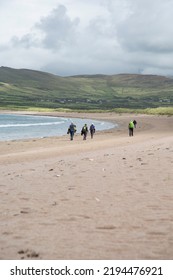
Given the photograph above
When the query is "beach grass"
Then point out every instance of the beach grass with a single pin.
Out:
(149, 111)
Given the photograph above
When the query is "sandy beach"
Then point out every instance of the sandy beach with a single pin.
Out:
(110, 197)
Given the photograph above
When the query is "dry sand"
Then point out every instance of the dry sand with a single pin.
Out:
(110, 197)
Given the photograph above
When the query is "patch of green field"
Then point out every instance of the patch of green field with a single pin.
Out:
(22, 89)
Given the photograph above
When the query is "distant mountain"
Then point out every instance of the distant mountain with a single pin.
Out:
(23, 88)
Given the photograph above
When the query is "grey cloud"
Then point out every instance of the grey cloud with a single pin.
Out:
(26, 41)
(57, 28)
(52, 32)
(148, 28)
(101, 28)
(123, 36)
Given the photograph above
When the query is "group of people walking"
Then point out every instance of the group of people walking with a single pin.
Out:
(84, 131)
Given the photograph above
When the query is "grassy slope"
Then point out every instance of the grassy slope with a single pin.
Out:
(27, 88)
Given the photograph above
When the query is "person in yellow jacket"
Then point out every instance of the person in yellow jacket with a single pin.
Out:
(131, 128)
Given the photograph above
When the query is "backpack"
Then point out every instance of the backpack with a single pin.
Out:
(92, 127)
(131, 125)
(72, 128)
(84, 130)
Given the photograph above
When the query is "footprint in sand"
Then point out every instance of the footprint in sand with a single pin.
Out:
(24, 212)
(24, 198)
(29, 254)
(54, 203)
(71, 188)
(139, 159)
(7, 233)
(108, 227)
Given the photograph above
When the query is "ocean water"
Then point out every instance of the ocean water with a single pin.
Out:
(15, 127)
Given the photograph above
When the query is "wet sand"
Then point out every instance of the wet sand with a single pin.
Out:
(104, 198)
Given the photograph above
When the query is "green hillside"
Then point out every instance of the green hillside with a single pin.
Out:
(23, 88)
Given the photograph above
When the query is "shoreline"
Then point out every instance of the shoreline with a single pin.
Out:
(57, 133)
(109, 197)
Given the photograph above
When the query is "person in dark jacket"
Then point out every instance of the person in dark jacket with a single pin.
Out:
(84, 131)
(92, 130)
(135, 123)
(71, 130)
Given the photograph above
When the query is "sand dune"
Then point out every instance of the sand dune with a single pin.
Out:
(104, 198)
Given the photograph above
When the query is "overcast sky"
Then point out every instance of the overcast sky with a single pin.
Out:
(69, 37)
